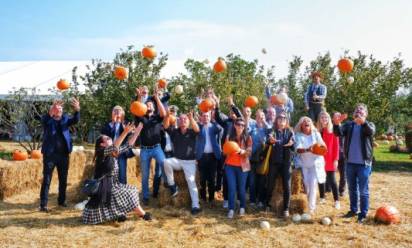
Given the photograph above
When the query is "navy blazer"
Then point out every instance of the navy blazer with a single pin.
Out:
(214, 133)
(110, 130)
(50, 131)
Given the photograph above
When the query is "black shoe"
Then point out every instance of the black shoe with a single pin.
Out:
(145, 202)
(350, 214)
(44, 209)
(195, 211)
(147, 216)
(361, 220)
(64, 205)
(121, 218)
(174, 190)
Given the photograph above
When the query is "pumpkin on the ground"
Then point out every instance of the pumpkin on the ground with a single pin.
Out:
(388, 215)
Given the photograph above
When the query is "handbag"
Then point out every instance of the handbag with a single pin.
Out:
(91, 186)
(264, 168)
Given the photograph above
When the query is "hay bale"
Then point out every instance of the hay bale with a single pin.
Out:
(296, 189)
(21, 176)
(298, 204)
(183, 199)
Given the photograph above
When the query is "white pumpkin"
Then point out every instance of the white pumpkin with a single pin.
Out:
(296, 218)
(306, 217)
(265, 225)
(351, 80)
(326, 221)
(179, 89)
(282, 97)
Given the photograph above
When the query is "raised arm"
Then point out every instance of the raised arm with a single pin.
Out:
(193, 123)
(160, 107)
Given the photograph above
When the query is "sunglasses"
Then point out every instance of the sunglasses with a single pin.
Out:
(240, 124)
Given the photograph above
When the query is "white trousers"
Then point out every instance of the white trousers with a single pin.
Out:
(311, 184)
(189, 169)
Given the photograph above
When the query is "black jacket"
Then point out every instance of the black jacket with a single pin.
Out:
(367, 131)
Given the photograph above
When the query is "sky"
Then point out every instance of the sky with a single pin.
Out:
(42, 40)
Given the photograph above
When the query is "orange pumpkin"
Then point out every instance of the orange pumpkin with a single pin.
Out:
(120, 72)
(274, 100)
(63, 84)
(319, 149)
(388, 215)
(162, 83)
(149, 52)
(206, 105)
(220, 65)
(390, 138)
(36, 154)
(230, 147)
(172, 120)
(19, 155)
(138, 108)
(345, 65)
(251, 101)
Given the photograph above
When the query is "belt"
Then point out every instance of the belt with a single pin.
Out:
(149, 147)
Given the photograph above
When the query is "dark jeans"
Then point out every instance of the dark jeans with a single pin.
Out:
(207, 168)
(219, 174)
(260, 184)
(61, 161)
(314, 110)
(358, 184)
(122, 161)
(251, 185)
(342, 176)
(285, 171)
(331, 181)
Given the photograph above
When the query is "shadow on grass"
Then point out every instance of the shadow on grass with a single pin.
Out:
(392, 166)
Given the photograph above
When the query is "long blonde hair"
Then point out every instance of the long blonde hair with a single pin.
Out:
(298, 127)
(329, 128)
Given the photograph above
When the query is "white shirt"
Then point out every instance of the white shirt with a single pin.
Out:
(308, 159)
(208, 145)
(168, 147)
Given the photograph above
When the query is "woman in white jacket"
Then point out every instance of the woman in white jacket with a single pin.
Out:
(313, 166)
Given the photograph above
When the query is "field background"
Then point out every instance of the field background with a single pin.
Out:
(21, 225)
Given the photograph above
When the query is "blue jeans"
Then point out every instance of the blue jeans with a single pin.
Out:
(357, 176)
(122, 162)
(146, 156)
(236, 179)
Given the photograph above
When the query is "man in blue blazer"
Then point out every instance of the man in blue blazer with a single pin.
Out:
(208, 153)
(57, 145)
(113, 129)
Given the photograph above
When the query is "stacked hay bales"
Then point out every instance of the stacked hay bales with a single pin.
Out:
(20, 176)
(298, 200)
(183, 199)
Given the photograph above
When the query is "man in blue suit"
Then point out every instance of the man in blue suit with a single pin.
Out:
(208, 153)
(57, 145)
(113, 129)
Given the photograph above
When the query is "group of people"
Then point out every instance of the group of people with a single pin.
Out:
(194, 143)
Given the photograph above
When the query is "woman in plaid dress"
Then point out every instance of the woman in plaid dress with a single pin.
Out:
(114, 200)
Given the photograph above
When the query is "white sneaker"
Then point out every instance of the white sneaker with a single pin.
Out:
(337, 204)
(230, 214)
(322, 201)
(242, 212)
(225, 204)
